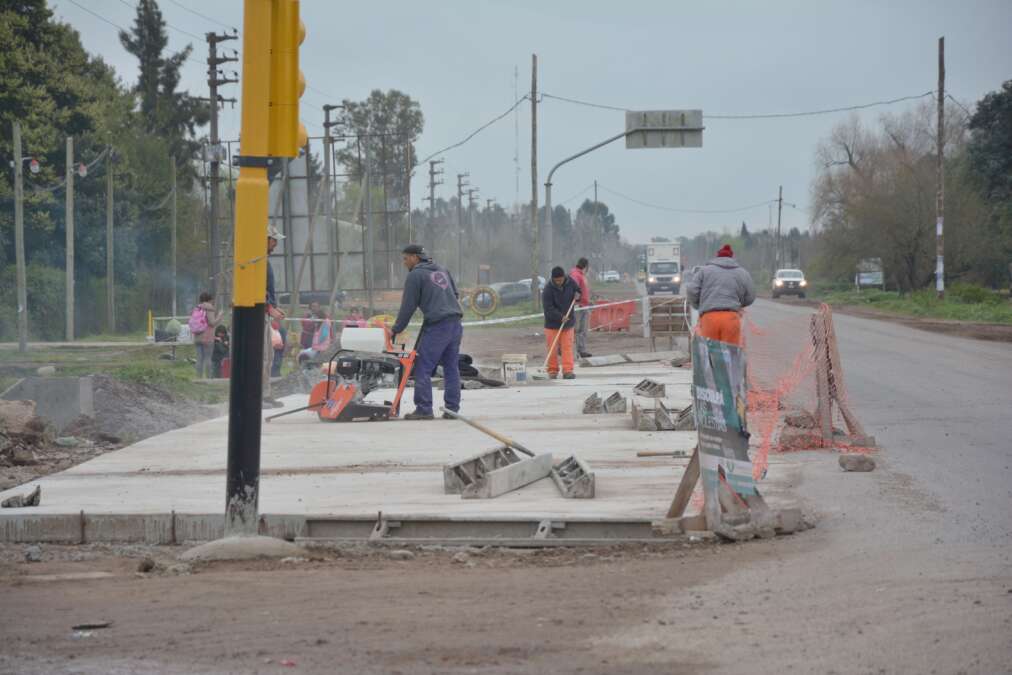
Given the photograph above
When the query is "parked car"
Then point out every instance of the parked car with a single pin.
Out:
(512, 292)
(611, 277)
(527, 282)
(789, 282)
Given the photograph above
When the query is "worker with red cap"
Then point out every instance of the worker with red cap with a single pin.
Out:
(720, 290)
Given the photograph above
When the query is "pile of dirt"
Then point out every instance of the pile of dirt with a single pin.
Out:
(125, 412)
(133, 411)
(22, 432)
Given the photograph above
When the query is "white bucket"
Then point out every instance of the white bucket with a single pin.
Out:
(514, 368)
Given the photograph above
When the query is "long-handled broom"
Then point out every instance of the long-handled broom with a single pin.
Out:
(543, 372)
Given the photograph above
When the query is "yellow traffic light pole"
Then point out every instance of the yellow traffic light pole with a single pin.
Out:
(271, 86)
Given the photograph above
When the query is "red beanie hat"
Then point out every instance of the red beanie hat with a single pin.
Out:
(725, 251)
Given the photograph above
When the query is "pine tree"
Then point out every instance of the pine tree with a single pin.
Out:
(166, 112)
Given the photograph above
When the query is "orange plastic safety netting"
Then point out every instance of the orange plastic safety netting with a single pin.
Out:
(793, 373)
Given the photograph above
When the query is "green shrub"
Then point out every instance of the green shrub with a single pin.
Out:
(969, 294)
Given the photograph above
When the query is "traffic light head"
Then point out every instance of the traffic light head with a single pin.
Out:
(285, 134)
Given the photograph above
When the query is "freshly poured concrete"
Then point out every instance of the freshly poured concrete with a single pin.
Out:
(357, 470)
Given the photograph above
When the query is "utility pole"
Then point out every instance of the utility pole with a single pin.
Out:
(433, 172)
(489, 216)
(370, 240)
(940, 196)
(535, 230)
(110, 290)
(215, 78)
(470, 218)
(461, 184)
(69, 286)
(172, 224)
(19, 241)
(328, 205)
(516, 138)
(780, 208)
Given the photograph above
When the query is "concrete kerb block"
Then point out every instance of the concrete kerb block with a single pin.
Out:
(651, 357)
(574, 478)
(686, 420)
(593, 405)
(249, 547)
(58, 400)
(607, 360)
(662, 417)
(616, 403)
(648, 388)
(490, 474)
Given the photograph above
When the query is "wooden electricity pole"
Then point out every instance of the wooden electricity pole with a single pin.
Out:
(535, 230)
(110, 293)
(69, 285)
(780, 210)
(172, 211)
(940, 195)
(19, 241)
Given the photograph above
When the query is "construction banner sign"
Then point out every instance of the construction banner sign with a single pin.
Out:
(719, 404)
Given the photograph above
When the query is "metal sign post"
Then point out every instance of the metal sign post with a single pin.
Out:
(643, 129)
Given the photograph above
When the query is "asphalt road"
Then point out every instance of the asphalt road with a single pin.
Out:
(939, 406)
(910, 567)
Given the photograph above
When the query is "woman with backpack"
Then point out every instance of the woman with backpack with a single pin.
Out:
(202, 321)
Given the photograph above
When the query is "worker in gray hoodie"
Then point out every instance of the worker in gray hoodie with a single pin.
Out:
(430, 287)
(720, 290)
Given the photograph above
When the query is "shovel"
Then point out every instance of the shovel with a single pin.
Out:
(505, 440)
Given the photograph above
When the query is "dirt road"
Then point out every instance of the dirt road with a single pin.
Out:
(908, 571)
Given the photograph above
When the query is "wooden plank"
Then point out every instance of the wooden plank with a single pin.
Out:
(685, 487)
(824, 409)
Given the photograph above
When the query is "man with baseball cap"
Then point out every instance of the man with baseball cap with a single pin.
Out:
(272, 358)
(720, 290)
(430, 288)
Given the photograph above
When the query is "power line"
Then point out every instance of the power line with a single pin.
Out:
(674, 210)
(584, 103)
(578, 194)
(202, 16)
(479, 129)
(180, 30)
(824, 111)
(953, 99)
(97, 15)
(807, 113)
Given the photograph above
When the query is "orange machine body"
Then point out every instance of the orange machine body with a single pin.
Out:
(338, 400)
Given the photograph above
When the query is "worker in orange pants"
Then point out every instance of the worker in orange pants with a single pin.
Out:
(565, 346)
(720, 290)
(557, 301)
(723, 325)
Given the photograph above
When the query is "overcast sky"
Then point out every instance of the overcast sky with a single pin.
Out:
(458, 59)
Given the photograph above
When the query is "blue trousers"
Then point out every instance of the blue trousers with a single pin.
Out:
(438, 346)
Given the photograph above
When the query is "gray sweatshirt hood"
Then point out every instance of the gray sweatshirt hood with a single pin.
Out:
(726, 263)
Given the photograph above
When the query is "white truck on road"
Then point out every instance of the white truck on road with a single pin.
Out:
(664, 267)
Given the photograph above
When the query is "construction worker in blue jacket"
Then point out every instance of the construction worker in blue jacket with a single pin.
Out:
(430, 288)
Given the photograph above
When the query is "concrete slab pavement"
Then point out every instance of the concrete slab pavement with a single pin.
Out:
(313, 469)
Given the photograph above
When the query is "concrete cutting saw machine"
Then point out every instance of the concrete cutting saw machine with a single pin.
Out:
(366, 361)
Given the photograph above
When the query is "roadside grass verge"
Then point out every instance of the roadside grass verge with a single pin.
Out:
(962, 302)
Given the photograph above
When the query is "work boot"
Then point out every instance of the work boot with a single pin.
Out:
(447, 416)
(569, 376)
(419, 416)
(585, 355)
